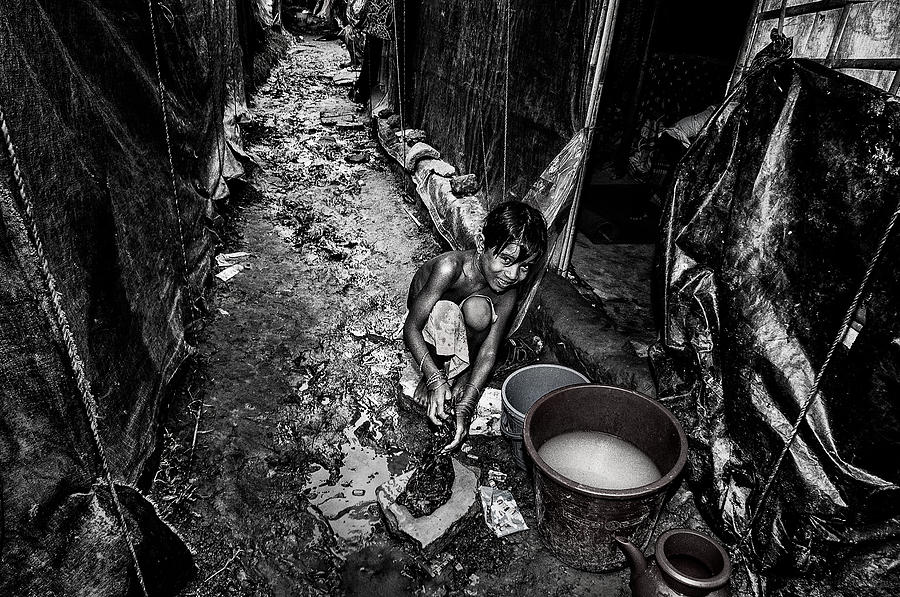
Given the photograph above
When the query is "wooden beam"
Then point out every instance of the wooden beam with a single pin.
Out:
(838, 35)
(809, 8)
(863, 63)
(895, 84)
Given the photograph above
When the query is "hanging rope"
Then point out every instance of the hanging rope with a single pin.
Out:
(399, 82)
(484, 163)
(506, 97)
(62, 324)
(814, 390)
(162, 102)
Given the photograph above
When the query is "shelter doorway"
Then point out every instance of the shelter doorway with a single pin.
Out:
(669, 60)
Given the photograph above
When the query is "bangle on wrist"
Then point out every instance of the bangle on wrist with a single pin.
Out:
(435, 381)
(473, 387)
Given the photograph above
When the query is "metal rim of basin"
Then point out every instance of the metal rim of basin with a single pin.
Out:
(626, 494)
(525, 370)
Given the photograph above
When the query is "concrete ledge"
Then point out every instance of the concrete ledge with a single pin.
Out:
(583, 337)
(457, 219)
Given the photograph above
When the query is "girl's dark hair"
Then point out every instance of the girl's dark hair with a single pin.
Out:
(516, 222)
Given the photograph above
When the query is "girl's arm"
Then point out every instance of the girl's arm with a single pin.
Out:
(443, 273)
(482, 368)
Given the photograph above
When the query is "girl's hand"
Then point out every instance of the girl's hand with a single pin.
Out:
(462, 432)
(465, 398)
(437, 398)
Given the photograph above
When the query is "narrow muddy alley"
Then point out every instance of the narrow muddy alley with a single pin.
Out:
(289, 419)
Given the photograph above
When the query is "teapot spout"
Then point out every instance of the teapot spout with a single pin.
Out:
(636, 560)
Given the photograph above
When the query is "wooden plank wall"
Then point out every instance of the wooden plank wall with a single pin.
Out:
(861, 39)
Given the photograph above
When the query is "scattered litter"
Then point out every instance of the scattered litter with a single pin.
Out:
(414, 219)
(330, 117)
(487, 414)
(223, 312)
(496, 477)
(501, 513)
(437, 565)
(359, 157)
(230, 272)
(348, 124)
(224, 259)
(346, 76)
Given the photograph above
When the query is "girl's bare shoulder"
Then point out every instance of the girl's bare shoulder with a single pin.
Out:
(449, 263)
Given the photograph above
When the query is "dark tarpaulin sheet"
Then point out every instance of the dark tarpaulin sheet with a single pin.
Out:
(776, 213)
(457, 52)
(78, 88)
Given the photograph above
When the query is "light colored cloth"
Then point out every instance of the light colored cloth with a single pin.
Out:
(686, 129)
(446, 331)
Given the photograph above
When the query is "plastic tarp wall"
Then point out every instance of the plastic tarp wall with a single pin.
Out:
(457, 52)
(777, 212)
(79, 91)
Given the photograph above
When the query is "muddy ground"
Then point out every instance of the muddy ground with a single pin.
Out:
(288, 418)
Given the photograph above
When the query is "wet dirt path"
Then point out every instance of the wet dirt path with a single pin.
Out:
(298, 366)
(288, 420)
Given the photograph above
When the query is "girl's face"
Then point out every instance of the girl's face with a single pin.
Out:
(501, 271)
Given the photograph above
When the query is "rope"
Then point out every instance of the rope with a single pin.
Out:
(62, 323)
(487, 191)
(162, 103)
(506, 98)
(814, 390)
(399, 81)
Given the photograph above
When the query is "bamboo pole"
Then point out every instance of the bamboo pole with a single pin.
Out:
(599, 68)
(744, 56)
(557, 260)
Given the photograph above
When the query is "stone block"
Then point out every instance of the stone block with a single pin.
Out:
(463, 185)
(439, 167)
(420, 151)
(433, 532)
(414, 136)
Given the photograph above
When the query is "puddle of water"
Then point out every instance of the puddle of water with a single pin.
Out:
(350, 505)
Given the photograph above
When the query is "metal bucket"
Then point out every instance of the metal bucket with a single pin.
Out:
(522, 389)
(577, 522)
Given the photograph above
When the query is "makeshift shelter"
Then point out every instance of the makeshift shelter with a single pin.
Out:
(776, 215)
(781, 323)
(115, 140)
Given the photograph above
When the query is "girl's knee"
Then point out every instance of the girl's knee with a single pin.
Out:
(478, 313)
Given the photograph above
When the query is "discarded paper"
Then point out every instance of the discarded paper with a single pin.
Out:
(230, 272)
(501, 513)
